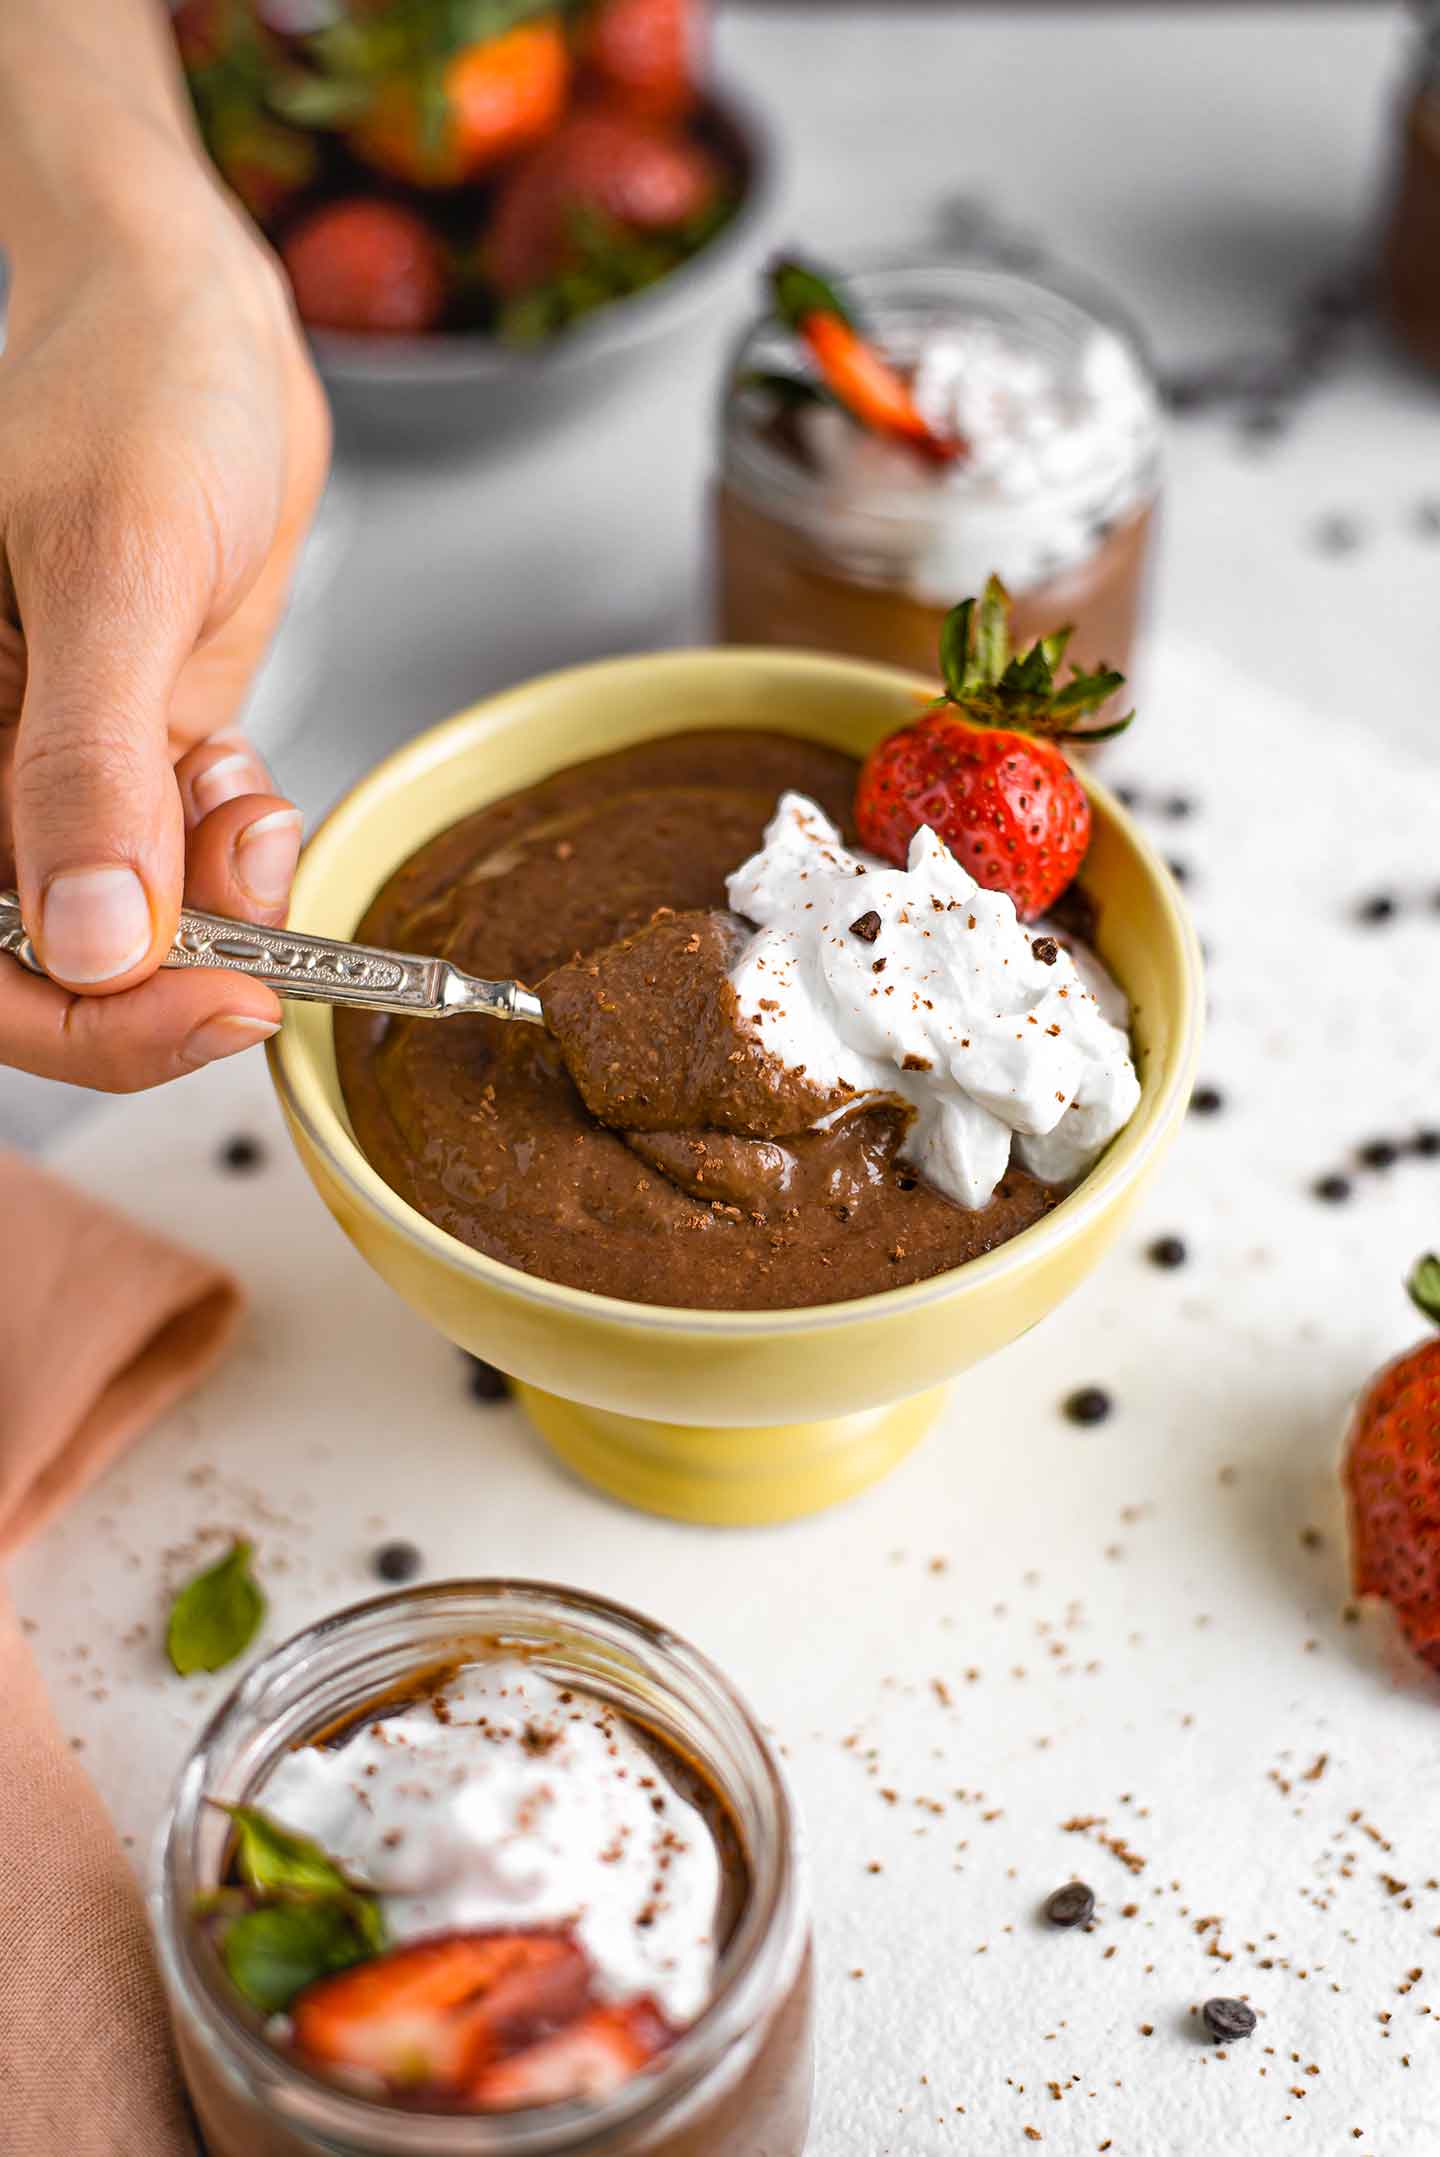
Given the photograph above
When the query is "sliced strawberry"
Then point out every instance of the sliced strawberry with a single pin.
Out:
(366, 266)
(427, 2016)
(497, 98)
(870, 389)
(595, 2056)
(644, 53)
(854, 370)
(644, 177)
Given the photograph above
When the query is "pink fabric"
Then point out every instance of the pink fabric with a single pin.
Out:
(102, 1327)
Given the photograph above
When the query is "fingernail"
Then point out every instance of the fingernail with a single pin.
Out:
(94, 924)
(265, 856)
(226, 780)
(226, 1036)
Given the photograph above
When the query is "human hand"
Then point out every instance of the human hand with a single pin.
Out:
(163, 443)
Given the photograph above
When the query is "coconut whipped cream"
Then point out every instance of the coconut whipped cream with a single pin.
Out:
(1060, 448)
(940, 996)
(507, 1801)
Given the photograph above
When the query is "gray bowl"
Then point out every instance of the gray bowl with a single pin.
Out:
(414, 394)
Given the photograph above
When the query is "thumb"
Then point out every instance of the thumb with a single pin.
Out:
(98, 826)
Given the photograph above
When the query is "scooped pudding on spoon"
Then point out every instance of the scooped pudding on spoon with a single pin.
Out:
(780, 1069)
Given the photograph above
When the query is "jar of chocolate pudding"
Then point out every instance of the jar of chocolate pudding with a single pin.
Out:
(1410, 264)
(833, 538)
(577, 1779)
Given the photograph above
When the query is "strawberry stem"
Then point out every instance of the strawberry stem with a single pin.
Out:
(992, 687)
(1424, 1287)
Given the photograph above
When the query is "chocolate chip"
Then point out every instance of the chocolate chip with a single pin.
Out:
(1337, 534)
(1377, 908)
(1207, 1101)
(867, 928)
(1227, 2020)
(1426, 1143)
(1168, 1252)
(242, 1155)
(1046, 950)
(1334, 1190)
(1073, 1904)
(486, 1383)
(1379, 1153)
(396, 1561)
(1091, 1404)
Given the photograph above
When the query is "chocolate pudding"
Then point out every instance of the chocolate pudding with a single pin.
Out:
(546, 1886)
(480, 1126)
(1411, 263)
(832, 539)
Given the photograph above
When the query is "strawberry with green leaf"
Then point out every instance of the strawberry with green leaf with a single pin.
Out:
(852, 367)
(1392, 1481)
(984, 767)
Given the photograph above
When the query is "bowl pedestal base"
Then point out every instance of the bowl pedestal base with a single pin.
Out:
(734, 1478)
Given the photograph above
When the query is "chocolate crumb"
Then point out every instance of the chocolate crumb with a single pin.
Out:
(242, 1155)
(1168, 1252)
(878, 967)
(1046, 950)
(1333, 1190)
(1377, 908)
(866, 927)
(1207, 1101)
(1089, 1404)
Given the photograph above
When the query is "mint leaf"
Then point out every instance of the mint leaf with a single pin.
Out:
(278, 1861)
(799, 291)
(273, 1953)
(216, 1615)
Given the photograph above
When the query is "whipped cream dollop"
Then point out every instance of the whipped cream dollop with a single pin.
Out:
(505, 1800)
(937, 996)
(1059, 450)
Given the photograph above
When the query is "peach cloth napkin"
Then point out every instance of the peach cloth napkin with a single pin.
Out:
(102, 1327)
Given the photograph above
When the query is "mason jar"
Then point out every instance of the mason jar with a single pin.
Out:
(1410, 264)
(831, 538)
(736, 2081)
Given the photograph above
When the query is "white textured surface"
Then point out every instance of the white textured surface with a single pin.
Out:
(1209, 162)
(1155, 1635)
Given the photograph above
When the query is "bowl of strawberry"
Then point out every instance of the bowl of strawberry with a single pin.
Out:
(477, 199)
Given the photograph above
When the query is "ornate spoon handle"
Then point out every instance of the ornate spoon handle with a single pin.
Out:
(316, 969)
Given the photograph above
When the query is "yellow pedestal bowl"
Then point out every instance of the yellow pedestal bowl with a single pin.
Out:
(722, 1417)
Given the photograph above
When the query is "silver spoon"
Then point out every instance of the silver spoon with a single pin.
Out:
(317, 969)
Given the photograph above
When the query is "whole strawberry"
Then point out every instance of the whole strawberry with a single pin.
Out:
(367, 266)
(1392, 1482)
(983, 767)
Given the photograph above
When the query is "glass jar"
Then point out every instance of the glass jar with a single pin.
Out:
(832, 539)
(736, 2082)
(1410, 264)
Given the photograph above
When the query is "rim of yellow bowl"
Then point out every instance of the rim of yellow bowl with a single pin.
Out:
(1120, 1165)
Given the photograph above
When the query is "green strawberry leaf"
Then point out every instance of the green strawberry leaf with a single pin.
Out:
(992, 633)
(216, 1615)
(798, 291)
(955, 648)
(990, 688)
(271, 1954)
(1424, 1287)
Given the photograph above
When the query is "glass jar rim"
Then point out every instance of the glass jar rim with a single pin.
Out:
(758, 469)
(758, 1962)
